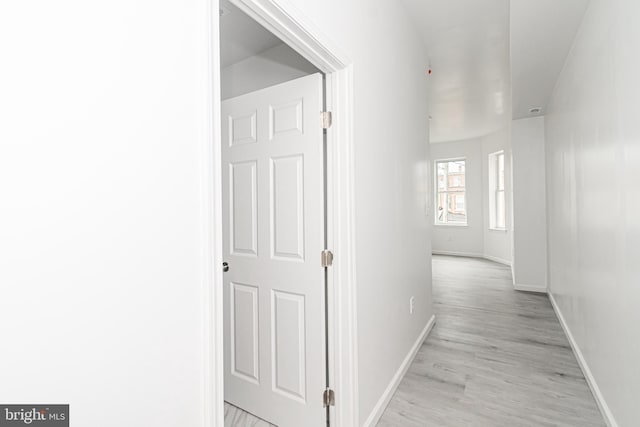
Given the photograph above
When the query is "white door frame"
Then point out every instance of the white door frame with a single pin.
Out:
(286, 22)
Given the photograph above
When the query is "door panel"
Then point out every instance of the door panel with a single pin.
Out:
(242, 129)
(273, 235)
(287, 208)
(288, 345)
(244, 208)
(244, 332)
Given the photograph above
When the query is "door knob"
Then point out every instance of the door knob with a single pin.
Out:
(225, 266)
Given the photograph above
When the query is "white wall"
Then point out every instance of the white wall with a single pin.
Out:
(529, 204)
(101, 225)
(476, 239)
(391, 157)
(593, 197)
(469, 239)
(101, 234)
(497, 243)
(276, 65)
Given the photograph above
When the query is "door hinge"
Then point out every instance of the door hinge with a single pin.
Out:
(328, 398)
(325, 119)
(327, 258)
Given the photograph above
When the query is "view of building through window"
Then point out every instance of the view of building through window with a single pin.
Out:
(450, 195)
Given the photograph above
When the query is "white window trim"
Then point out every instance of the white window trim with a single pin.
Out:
(494, 171)
(437, 192)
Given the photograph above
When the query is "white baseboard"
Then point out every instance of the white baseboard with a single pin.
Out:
(463, 254)
(472, 255)
(595, 390)
(498, 260)
(384, 400)
(529, 288)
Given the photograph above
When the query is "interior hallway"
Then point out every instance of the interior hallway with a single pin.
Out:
(496, 357)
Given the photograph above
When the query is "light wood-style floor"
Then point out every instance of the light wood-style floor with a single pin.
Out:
(496, 357)
(236, 417)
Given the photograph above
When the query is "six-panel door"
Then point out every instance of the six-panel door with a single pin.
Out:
(273, 235)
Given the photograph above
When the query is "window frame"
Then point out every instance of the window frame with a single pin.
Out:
(495, 190)
(446, 191)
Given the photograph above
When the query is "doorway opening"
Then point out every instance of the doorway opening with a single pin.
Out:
(290, 26)
(274, 228)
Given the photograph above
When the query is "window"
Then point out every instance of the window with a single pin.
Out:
(498, 211)
(450, 192)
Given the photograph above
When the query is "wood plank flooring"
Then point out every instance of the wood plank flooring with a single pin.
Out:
(496, 357)
(236, 417)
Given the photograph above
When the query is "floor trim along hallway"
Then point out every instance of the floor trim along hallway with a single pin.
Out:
(496, 357)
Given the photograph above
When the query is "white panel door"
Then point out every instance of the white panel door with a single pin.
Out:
(273, 236)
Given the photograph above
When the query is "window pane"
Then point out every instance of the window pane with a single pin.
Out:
(501, 211)
(442, 213)
(456, 210)
(456, 181)
(456, 167)
(450, 197)
(442, 171)
(500, 171)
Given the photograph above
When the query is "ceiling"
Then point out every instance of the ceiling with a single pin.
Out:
(492, 59)
(468, 46)
(542, 32)
(240, 36)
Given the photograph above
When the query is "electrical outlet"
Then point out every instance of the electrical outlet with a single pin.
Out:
(412, 304)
